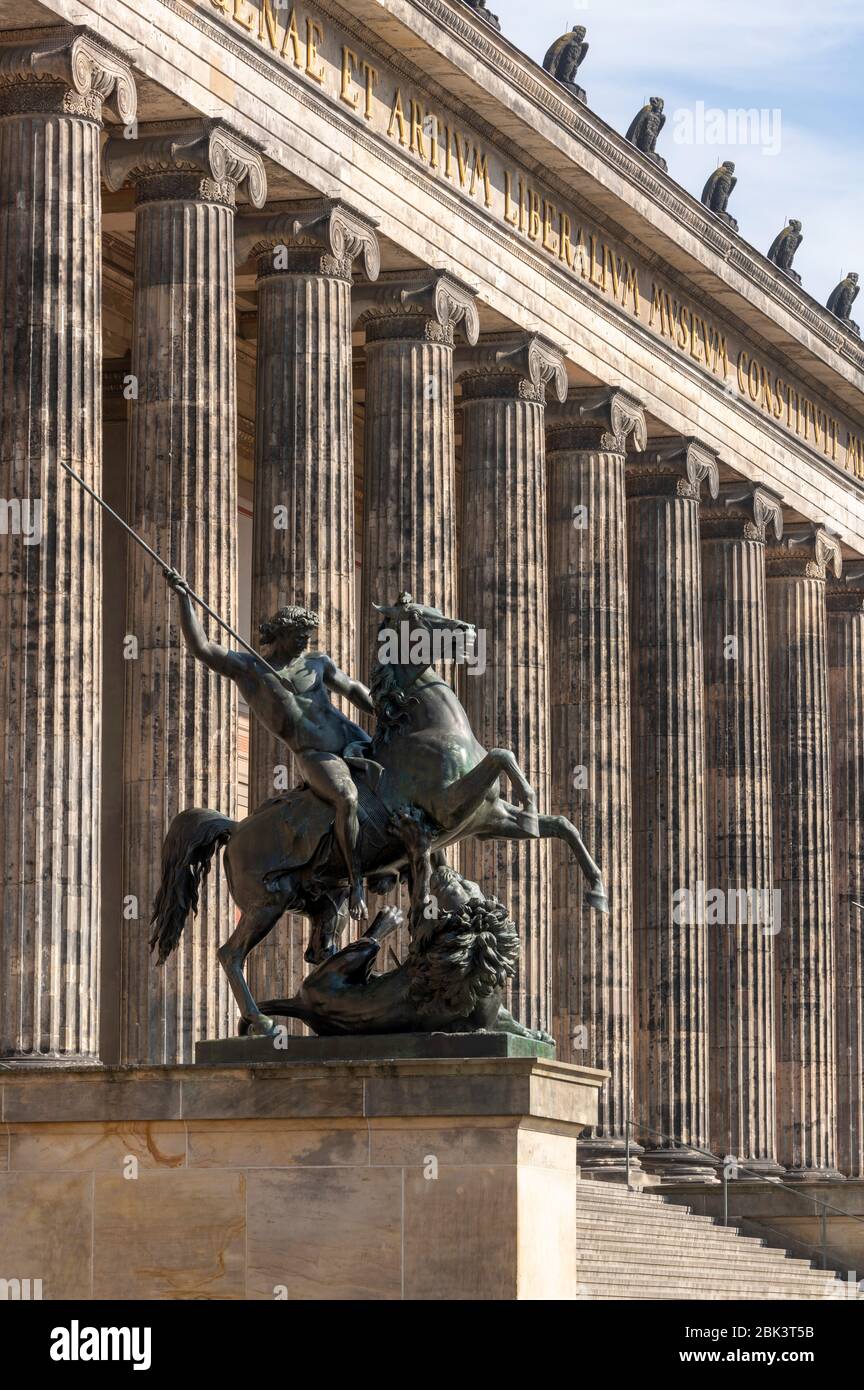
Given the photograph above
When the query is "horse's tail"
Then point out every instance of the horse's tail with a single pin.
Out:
(193, 838)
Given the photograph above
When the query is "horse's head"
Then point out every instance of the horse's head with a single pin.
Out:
(420, 617)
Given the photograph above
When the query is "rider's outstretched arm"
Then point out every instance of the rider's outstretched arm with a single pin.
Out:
(354, 691)
(219, 659)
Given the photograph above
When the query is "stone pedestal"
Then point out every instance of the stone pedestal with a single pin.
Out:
(432, 1180)
(589, 677)
(181, 719)
(503, 592)
(740, 906)
(801, 771)
(303, 539)
(846, 697)
(668, 746)
(51, 95)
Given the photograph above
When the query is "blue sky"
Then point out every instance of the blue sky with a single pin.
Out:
(802, 60)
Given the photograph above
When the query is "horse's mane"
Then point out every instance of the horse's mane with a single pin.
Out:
(391, 703)
(465, 957)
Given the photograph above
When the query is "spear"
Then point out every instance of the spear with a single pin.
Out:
(165, 566)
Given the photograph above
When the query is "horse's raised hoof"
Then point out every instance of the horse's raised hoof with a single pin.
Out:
(596, 898)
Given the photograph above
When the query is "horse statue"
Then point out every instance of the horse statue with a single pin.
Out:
(283, 856)
(462, 951)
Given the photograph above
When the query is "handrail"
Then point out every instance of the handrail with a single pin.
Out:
(773, 1182)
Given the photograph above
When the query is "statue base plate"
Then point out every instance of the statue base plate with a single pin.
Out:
(372, 1047)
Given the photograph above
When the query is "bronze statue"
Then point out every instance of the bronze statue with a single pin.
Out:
(783, 247)
(297, 710)
(563, 59)
(718, 189)
(284, 857)
(463, 950)
(842, 297)
(645, 128)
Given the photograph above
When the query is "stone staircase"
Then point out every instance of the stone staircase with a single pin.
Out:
(637, 1245)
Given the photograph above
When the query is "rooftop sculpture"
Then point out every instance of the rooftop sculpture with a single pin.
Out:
(645, 128)
(564, 58)
(783, 247)
(718, 189)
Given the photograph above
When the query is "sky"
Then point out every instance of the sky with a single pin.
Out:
(799, 64)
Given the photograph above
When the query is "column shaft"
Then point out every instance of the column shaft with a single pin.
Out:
(50, 554)
(740, 915)
(180, 717)
(801, 766)
(846, 692)
(409, 515)
(303, 541)
(591, 773)
(668, 743)
(503, 591)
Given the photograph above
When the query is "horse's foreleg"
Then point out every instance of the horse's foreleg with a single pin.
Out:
(252, 928)
(506, 822)
(462, 798)
(326, 917)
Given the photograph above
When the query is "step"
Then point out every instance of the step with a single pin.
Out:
(706, 1279)
(676, 1292)
(662, 1217)
(694, 1273)
(615, 1194)
(607, 1228)
(725, 1258)
(647, 1229)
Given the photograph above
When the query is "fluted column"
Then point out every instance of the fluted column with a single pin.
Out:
(801, 772)
(846, 696)
(180, 748)
(503, 588)
(303, 537)
(409, 517)
(668, 745)
(51, 95)
(740, 908)
(589, 669)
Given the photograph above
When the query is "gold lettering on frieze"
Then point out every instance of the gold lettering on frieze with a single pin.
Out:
(397, 119)
(776, 397)
(349, 62)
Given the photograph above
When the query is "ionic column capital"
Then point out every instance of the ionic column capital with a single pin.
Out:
(742, 511)
(518, 367)
(322, 237)
(675, 467)
(427, 304)
(847, 596)
(65, 71)
(596, 419)
(806, 551)
(167, 164)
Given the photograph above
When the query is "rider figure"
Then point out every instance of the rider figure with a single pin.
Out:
(296, 708)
